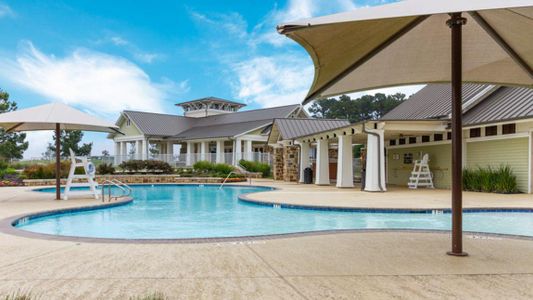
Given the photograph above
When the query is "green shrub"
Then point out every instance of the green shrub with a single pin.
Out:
(3, 164)
(158, 166)
(150, 166)
(204, 165)
(490, 180)
(48, 171)
(104, 169)
(224, 169)
(253, 166)
(7, 171)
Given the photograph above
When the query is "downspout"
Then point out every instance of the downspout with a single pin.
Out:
(379, 154)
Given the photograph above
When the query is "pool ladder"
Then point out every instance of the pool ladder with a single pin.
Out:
(126, 189)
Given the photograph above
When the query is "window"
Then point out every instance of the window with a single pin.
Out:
(392, 143)
(401, 141)
(412, 140)
(437, 137)
(475, 132)
(509, 128)
(449, 136)
(491, 130)
(128, 122)
(425, 139)
(408, 158)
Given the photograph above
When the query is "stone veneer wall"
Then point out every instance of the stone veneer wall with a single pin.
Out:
(277, 163)
(290, 163)
(135, 179)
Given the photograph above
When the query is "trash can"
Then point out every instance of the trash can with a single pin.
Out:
(308, 176)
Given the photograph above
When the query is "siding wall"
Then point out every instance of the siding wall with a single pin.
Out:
(129, 130)
(439, 163)
(512, 152)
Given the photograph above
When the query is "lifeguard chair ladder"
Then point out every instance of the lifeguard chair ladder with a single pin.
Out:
(421, 175)
(89, 174)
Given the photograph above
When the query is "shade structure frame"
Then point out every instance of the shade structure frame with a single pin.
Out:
(487, 32)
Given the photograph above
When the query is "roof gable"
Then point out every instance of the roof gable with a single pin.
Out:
(291, 128)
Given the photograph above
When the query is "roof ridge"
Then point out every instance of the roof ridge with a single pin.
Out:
(252, 110)
(313, 119)
(155, 113)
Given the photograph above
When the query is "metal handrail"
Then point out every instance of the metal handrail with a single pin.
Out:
(223, 182)
(126, 189)
(246, 172)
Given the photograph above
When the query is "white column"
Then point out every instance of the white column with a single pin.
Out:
(138, 149)
(144, 153)
(304, 159)
(117, 153)
(530, 159)
(248, 150)
(345, 162)
(238, 151)
(203, 150)
(124, 148)
(375, 162)
(170, 152)
(220, 152)
(322, 163)
(189, 155)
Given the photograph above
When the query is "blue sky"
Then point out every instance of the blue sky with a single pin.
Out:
(106, 56)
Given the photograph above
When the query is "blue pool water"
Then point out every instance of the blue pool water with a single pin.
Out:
(185, 211)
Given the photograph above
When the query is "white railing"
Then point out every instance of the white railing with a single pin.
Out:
(176, 160)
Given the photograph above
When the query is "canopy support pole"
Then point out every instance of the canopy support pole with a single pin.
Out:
(455, 23)
(58, 161)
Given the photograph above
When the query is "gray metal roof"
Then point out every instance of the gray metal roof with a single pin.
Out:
(431, 102)
(506, 103)
(498, 104)
(211, 99)
(224, 130)
(222, 125)
(293, 128)
(248, 115)
(159, 124)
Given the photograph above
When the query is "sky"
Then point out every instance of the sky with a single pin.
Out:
(103, 57)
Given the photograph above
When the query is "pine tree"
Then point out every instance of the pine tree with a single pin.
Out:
(12, 145)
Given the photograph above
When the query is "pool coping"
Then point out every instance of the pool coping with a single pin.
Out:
(7, 225)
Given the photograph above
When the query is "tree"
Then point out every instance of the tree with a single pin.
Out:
(12, 145)
(366, 107)
(105, 153)
(70, 140)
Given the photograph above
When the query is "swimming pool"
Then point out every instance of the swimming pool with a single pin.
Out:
(204, 211)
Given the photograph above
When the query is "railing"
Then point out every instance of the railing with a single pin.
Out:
(176, 160)
(224, 181)
(126, 189)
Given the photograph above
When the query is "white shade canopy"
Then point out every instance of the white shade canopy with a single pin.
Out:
(45, 117)
(409, 42)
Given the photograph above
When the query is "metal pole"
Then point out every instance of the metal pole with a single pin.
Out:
(455, 23)
(58, 162)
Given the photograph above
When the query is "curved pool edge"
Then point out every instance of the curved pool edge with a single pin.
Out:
(246, 198)
(7, 225)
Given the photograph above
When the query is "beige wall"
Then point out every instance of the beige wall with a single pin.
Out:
(129, 130)
(512, 152)
(439, 163)
(509, 151)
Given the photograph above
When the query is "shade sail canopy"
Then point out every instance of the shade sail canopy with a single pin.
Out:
(45, 117)
(408, 43)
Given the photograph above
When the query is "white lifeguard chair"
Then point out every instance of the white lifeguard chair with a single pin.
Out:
(421, 175)
(89, 174)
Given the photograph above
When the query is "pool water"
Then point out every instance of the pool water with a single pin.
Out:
(201, 211)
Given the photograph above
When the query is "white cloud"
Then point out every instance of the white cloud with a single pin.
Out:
(273, 81)
(408, 90)
(6, 11)
(134, 50)
(96, 81)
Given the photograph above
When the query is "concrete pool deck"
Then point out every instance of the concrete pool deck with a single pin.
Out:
(368, 265)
